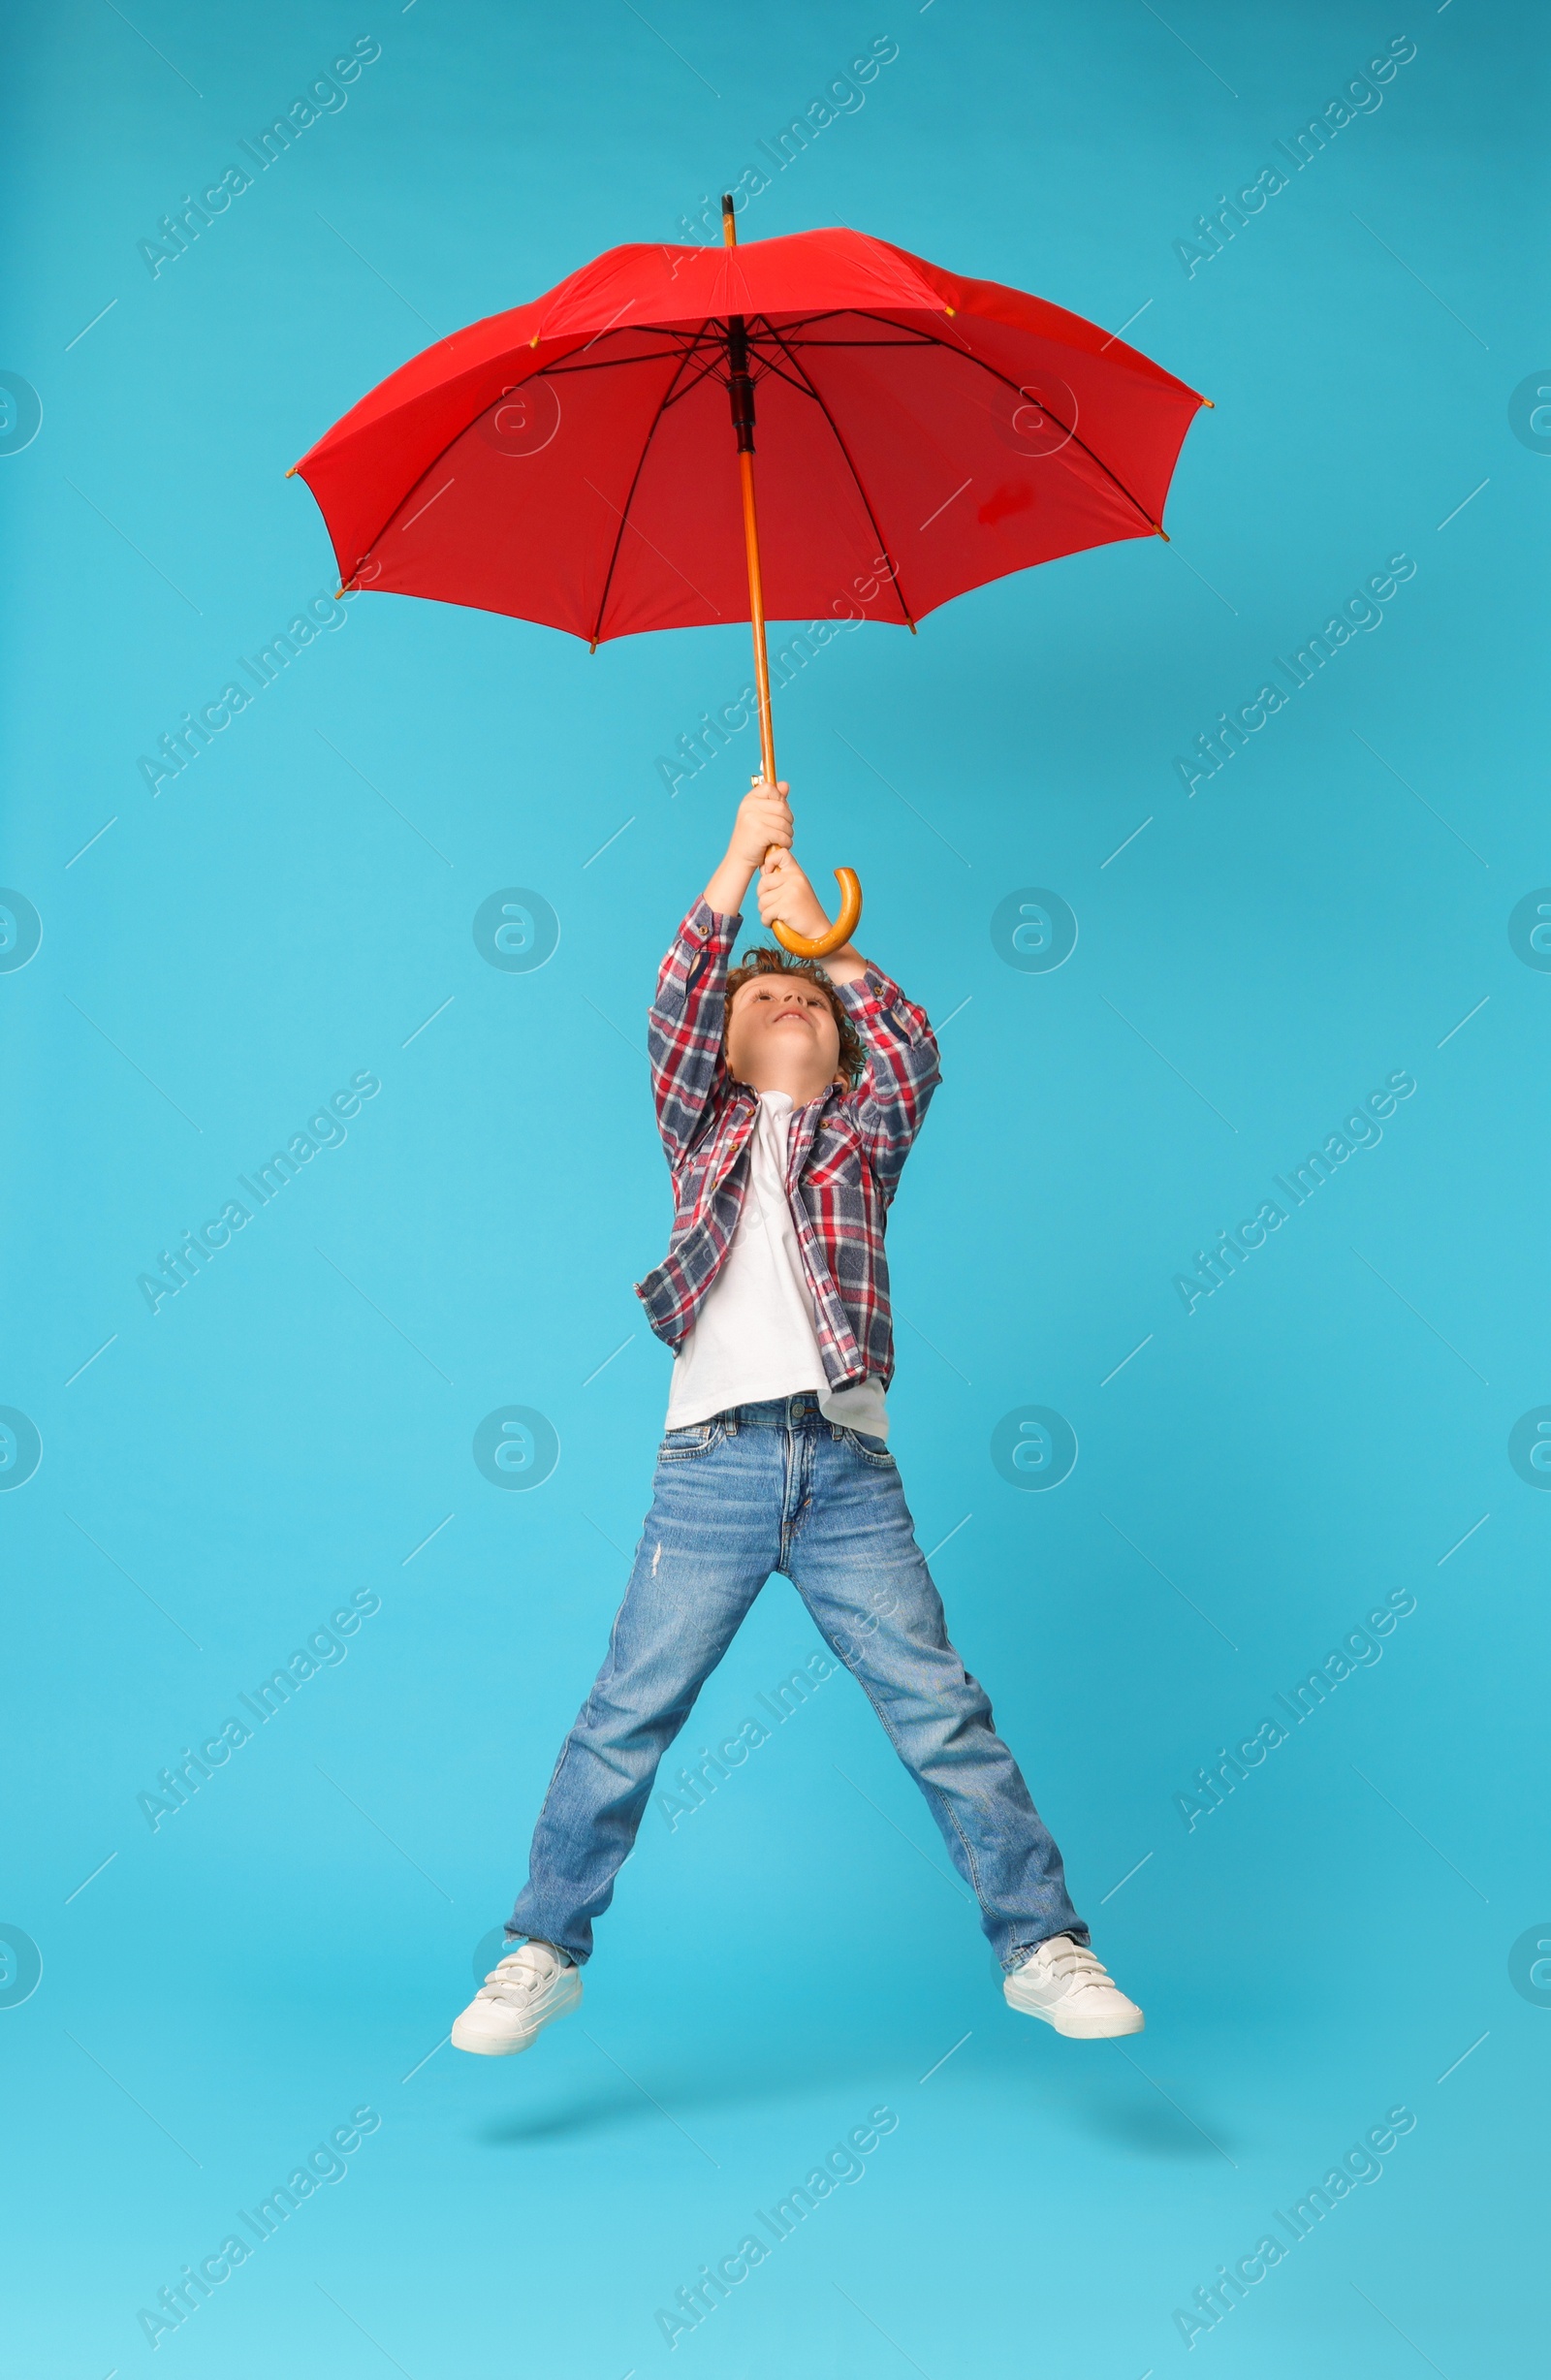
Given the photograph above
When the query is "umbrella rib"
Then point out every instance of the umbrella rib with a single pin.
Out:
(545, 371)
(846, 451)
(635, 482)
(840, 313)
(606, 363)
(1072, 433)
(713, 355)
(688, 344)
(439, 456)
(347, 577)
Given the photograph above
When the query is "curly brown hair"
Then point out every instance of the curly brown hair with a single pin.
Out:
(772, 960)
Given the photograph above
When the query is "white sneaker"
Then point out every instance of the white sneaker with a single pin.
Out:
(1067, 1988)
(520, 1995)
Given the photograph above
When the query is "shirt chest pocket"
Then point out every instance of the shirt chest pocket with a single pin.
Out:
(702, 1171)
(835, 1154)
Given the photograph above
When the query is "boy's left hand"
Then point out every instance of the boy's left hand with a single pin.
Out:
(785, 893)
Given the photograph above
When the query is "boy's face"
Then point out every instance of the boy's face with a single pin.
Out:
(781, 1036)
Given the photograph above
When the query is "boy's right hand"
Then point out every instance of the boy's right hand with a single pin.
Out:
(764, 818)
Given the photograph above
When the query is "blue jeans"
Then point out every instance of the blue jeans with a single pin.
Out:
(776, 1487)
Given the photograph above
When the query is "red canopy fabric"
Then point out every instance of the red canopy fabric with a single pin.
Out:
(573, 462)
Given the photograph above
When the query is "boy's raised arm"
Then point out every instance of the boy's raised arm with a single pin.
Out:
(903, 1070)
(686, 1021)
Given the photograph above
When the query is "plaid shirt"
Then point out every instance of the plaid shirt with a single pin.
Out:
(845, 1151)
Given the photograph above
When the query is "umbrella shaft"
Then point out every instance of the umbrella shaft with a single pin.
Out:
(756, 616)
(741, 390)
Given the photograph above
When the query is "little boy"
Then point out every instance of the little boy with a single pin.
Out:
(789, 1098)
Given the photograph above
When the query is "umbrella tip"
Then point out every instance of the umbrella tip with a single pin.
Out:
(291, 474)
(534, 340)
(950, 309)
(1209, 404)
(1164, 533)
(592, 644)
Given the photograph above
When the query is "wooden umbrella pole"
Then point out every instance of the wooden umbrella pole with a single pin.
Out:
(742, 388)
(756, 587)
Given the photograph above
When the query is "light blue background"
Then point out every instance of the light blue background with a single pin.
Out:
(1323, 1430)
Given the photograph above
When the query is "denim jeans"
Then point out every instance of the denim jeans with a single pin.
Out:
(765, 1488)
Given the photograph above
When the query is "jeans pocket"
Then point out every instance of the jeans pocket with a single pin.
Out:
(870, 1449)
(680, 1445)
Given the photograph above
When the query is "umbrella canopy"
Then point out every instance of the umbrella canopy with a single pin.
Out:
(570, 462)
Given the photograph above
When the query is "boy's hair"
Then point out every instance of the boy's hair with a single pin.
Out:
(775, 961)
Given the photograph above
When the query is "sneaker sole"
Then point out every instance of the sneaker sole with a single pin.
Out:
(483, 2046)
(1070, 2031)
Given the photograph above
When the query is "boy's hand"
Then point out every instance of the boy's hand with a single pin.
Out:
(764, 817)
(785, 893)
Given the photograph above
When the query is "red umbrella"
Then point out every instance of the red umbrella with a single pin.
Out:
(570, 462)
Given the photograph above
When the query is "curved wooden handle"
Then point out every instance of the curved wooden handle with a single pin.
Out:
(820, 945)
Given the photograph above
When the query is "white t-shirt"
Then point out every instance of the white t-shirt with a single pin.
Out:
(753, 1337)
